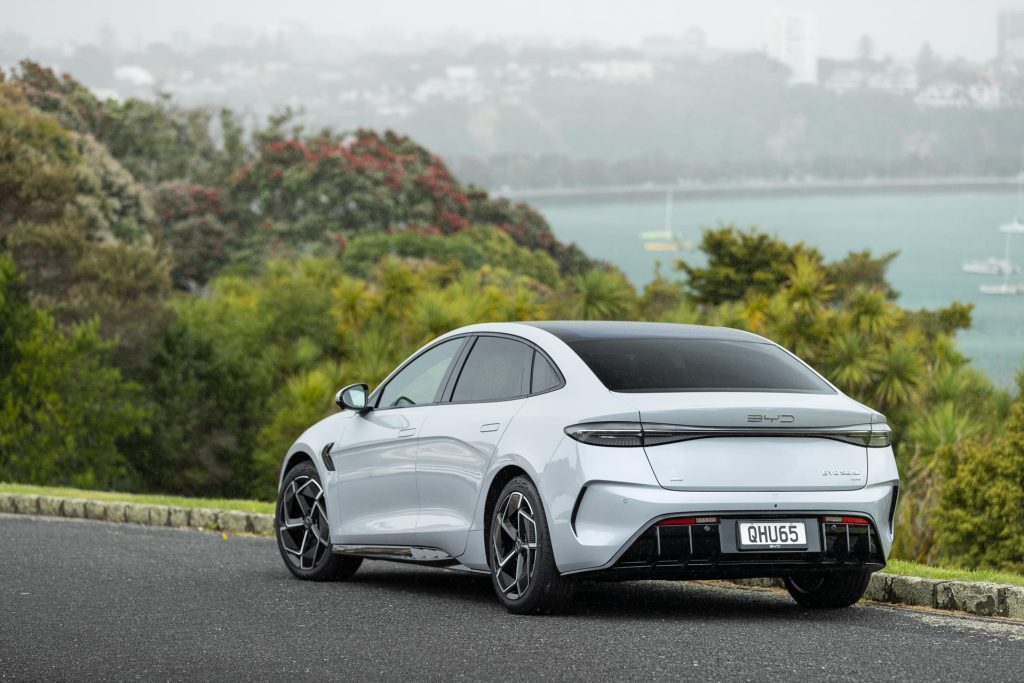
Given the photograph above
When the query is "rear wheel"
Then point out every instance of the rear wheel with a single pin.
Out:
(824, 591)
(303, 533)
(523, 569)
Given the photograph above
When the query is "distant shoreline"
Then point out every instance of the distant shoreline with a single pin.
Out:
(761, 188)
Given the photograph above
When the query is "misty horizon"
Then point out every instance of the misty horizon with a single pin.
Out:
(954, 29)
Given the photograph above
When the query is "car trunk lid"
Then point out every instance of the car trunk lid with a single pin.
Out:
(743, 441)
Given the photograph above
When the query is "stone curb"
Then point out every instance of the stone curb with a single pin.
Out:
(230, 521)
(985, 599)
(973, 597)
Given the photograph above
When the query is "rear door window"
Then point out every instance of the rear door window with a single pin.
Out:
(497, 369)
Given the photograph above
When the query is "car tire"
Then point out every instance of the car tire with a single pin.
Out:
(302, 530)
(523, 570)
(828, 591)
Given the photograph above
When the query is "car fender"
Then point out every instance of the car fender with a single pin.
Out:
(311, 444)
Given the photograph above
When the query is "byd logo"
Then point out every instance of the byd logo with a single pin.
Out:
(781, 419)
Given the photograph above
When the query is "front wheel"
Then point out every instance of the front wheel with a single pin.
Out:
(303, 534)
(824, 591)
(523, 569)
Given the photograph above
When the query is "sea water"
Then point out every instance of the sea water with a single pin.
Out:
(934, 233)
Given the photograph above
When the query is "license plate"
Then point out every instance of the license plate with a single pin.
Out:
(772, 535)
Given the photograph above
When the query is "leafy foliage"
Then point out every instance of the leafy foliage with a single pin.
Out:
(63, 408)
(982, 500)
(740, 262)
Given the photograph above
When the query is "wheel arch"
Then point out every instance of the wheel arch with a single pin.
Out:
(501, 478)
(296, 456)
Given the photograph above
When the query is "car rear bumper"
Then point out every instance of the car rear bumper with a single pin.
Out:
(614, 525)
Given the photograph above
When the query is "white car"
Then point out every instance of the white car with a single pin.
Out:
(545, 452)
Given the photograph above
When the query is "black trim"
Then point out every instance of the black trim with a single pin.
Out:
(576, 508)
(325, 455)
(892, 508)
(709, 551)
(453, 377)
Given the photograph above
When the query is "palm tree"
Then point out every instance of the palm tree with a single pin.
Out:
(601, 295)
(851, 362)
(435, 313)
(943, 425)
(397, 283)
(808, 289)
(901, 373)
(872, 313)
(375, 355)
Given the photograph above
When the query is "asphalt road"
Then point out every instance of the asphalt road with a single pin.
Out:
(89, 600)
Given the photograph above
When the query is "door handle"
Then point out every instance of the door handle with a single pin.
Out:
(402, 433)
(490, 427)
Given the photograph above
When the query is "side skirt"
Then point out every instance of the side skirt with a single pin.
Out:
(429, 557)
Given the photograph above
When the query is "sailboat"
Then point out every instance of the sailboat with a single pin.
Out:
(665, 239)
(990, 266)
(1014, 227)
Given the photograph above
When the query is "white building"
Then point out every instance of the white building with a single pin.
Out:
(618, 70)
(794, 42)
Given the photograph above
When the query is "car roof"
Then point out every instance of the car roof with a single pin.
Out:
(576, 330)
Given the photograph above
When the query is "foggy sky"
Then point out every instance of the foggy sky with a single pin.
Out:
(898, 27)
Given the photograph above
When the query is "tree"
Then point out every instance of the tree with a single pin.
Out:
(193, 222)
(314, 190)
(741, 261)
(982, 500)
(861, 269)
(63, 407)
(156, 141)
(78, 227)
(602, 295)
(205, 400)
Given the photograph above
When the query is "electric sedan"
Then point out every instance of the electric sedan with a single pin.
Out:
(547, 452)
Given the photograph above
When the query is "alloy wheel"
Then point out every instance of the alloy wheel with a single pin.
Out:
(302, 523)
(513, 545)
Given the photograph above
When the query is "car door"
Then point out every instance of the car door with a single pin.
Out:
(376, 459)
(459, 436)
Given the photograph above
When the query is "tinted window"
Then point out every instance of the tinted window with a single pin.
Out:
(420, 381)
(496, 369)
(544, 376)
(666, 364)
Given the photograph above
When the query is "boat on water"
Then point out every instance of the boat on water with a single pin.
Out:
(665, 239)
(1003, 289)
(1016, 226)
(990, 266)
(1003, 266)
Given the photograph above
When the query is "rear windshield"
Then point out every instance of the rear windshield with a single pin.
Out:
(666, 364)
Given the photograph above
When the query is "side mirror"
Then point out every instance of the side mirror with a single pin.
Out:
(352, 397)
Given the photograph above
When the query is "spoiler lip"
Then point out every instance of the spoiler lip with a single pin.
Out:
(623, 434)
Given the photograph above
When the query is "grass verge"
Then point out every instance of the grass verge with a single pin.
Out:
(905, 568)
(146, 498)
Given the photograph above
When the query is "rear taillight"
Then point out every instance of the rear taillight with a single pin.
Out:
(632, 434)
(846, 520)
(615, 434)
(683, 521)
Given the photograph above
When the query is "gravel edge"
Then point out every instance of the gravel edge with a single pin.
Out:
(981, 598)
